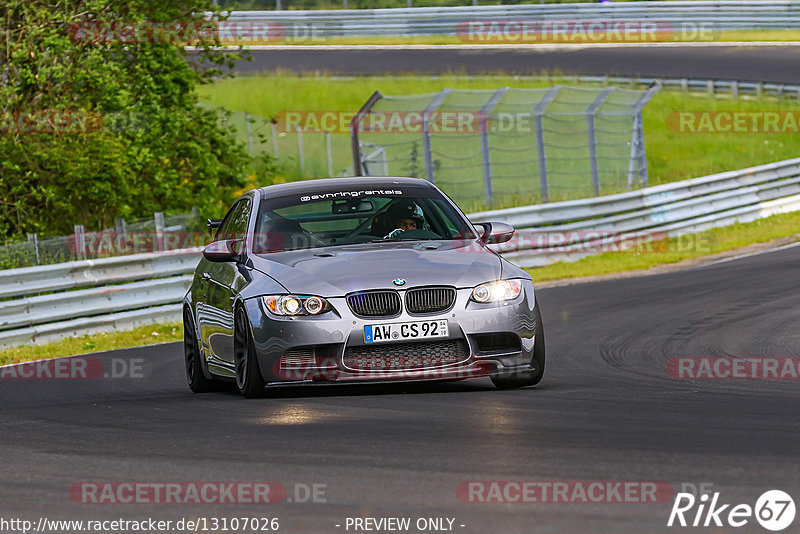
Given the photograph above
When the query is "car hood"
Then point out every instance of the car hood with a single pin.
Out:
(336, 271)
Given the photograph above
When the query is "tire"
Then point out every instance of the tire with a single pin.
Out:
(249, 381)
(197, 380)
(533, 377)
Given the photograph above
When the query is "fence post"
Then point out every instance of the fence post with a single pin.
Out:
(486, 110)
(330, 155)
(710, 87)
(158, 245)
(735, 89)
(300, 149)
(538, 113)
(249, 133)
(432, 106)
(274, 140)
(638, 159)
(591, 111)
(355, 123)
(34, 240)
(80, 242)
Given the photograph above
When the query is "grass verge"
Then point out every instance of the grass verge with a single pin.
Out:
(671, 155)
(143, 335)
(679, 249)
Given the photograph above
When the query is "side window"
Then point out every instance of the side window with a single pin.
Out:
(235, 224)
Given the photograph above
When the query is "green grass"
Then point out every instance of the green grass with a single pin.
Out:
(671, 155)
(687, 247)
(144, 335)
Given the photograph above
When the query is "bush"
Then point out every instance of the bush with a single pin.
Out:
(144, 146)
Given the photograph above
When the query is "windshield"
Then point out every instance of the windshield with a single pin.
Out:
(294, 223)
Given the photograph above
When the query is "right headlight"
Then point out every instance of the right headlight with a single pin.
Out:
(294, 305)
(497, 291)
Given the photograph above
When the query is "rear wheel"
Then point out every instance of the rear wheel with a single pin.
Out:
(198, 382)
(249, 381)
(534, 375)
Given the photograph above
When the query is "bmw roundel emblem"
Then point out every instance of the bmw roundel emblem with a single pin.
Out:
(399, 282)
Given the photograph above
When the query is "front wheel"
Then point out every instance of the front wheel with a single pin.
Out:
(534, 375)
(197, 380)
(249, 381)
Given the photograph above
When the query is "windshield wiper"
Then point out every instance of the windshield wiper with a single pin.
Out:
(398, 239)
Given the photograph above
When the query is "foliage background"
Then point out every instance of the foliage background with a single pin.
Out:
(165, 154)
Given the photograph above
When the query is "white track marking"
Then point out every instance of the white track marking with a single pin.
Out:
(750, 254)
(544, 47)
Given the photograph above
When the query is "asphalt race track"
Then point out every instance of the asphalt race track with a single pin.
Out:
(606, 411)
(753, 63)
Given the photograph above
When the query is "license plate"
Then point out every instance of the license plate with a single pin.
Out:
(379, 333)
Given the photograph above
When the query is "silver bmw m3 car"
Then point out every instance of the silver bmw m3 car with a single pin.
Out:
(357, 280)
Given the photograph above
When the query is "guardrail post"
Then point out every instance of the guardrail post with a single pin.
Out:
(427, 150)
(710, 87)
(330, 155)
(33, 239)
(158, 245)
(538, 113)
(735, 89)
(485, 112)
(80, 241)
(590, 114)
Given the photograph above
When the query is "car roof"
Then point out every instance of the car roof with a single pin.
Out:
(339, 184)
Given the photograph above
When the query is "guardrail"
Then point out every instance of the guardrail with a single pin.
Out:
(55, 301)
(421, 21)
(664, 210)
(93, 295)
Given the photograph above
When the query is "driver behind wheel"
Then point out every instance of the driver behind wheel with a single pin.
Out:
(405, 215)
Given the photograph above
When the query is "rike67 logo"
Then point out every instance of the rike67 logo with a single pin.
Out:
(774, 510)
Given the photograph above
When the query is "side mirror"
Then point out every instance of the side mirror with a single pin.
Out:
(496, 232)
(212, 226)
(222, 251)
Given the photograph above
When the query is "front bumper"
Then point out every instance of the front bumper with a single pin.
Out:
(494, 339)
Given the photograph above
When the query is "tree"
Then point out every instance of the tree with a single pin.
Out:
(99, 117)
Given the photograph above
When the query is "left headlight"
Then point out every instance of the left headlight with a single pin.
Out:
(497, 291)
(296, 305)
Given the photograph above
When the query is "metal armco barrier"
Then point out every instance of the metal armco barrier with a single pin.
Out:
(671, 209)
(680, 15)
(93, 295)
(123, 292)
